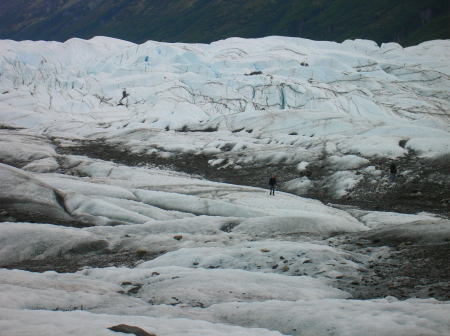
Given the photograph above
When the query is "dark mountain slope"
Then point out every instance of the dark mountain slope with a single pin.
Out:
(405, 21)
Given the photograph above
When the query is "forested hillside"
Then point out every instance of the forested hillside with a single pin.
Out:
(407, 22)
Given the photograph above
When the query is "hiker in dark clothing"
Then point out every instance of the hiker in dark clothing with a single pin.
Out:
(124, 95)
(272, 184)
(392, 172)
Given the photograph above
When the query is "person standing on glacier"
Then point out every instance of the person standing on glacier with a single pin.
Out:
(272, 184)
(124, 95)
(393, 172)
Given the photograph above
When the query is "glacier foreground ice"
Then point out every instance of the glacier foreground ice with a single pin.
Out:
(97, 228)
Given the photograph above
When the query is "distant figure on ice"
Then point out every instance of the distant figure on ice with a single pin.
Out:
(392, 172)
(272, 184)
(124, 95)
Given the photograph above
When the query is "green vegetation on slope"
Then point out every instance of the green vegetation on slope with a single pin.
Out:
(405, 21)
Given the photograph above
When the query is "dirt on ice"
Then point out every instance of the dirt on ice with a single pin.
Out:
(421, 185)
(409, 270)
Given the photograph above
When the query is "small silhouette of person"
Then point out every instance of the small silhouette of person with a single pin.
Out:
(124, 95)
(272, 184)
(393, 172)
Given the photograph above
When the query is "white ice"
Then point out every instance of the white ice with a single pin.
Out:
(226, 259)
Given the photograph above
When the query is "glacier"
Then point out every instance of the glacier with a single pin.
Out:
(150, 210)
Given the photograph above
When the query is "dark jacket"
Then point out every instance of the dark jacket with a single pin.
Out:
(393, 168)
(272, 181)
